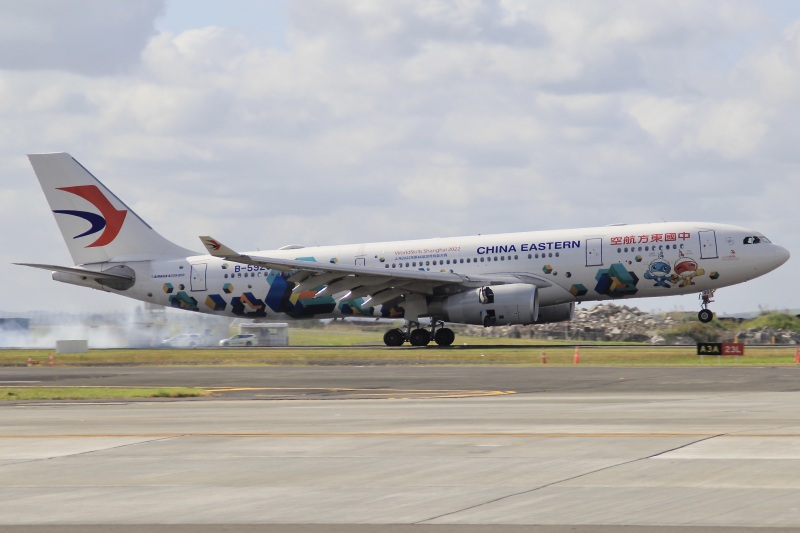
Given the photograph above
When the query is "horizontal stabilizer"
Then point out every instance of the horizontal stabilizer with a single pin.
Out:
(119, 277)
(89, 274)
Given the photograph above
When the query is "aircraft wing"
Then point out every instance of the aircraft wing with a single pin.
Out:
(379, 283)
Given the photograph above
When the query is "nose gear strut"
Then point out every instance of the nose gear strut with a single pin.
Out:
(705, 315)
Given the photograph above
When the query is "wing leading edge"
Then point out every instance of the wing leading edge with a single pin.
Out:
(380, 284)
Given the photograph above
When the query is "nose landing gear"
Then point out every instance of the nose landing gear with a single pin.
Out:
(419, 336)
(705, 315)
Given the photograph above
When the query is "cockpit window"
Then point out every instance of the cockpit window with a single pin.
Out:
(756, 239)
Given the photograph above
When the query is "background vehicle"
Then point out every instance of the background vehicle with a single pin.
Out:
(184, 340)
(267, 333)
(242, 339)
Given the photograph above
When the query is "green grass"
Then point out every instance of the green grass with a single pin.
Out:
(314, 346)
(95, 393)
(477, 351)
(335, 337)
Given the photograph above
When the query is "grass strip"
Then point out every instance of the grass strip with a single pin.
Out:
(96, 393)
(556, 355)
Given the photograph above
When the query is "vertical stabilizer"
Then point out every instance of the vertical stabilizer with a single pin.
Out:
(96, 225)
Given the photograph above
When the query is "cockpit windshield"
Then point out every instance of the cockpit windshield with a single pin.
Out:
(756, 239)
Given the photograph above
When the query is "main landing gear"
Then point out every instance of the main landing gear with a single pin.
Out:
(419, 336)
(705, 315)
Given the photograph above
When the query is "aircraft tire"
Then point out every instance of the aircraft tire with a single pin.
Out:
(394, 337)
(444, 336)
(705, 316)
(419, 337)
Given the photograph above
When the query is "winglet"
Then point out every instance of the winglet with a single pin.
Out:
(217, 249)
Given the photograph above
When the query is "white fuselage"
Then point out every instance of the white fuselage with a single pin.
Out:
(626, 261)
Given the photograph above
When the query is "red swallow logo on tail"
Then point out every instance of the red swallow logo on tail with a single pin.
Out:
(109, 221)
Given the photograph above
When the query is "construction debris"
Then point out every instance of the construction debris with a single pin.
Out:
(620, 323)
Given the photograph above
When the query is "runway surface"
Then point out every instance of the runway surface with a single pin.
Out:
(401, 449)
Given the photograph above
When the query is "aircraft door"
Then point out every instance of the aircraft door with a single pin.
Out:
(594, 252)
(198, 279)
(708, 244)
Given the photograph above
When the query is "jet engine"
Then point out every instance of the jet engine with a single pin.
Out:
(556, 313)
(499, 305)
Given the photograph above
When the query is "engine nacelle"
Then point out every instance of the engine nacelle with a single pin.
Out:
(556, 313)
(499, 305)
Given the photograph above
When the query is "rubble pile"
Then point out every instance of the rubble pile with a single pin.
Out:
(767, 336)
(605, 322)
(619, 323)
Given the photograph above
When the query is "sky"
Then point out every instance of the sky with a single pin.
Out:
(344, 121)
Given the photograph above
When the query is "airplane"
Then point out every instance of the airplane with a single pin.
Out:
(532, 277)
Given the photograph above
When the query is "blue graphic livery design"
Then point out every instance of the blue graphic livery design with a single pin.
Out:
(659, 271)
(98, 222)
(353, 308)
(280, 299)
(616, 281)
(182, 300)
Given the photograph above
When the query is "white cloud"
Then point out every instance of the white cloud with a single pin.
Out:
(86, 36)
(389, 120)
(732, 129)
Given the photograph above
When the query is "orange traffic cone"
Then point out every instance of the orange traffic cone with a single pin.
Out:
(577, 357)
(797, 356)
(544, 358)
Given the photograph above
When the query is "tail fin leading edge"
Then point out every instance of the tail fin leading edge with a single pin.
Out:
(96, 225)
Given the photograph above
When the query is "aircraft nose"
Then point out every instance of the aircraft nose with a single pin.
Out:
(781, 255)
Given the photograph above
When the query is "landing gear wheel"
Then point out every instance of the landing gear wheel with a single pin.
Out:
(419, 337)
(394, 337)
(705, 316)
(444, 336)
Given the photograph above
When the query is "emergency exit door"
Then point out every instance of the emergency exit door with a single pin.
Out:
(594, 252)
(708, 244)
(198, 279)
